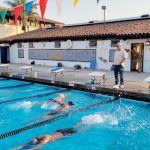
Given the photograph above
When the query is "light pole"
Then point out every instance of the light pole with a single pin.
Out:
(104, 9)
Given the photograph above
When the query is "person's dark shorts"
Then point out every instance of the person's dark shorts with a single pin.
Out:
(67, 131)
(53, 113)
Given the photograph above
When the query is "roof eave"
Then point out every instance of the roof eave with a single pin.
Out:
(87, 37)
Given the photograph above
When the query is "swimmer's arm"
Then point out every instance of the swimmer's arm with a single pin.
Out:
(43, 142)
(56, 100)
(60, 103)
(78, 124)
(18, 148)
(84, 129)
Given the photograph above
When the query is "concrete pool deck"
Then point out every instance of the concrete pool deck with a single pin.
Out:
(134, 82)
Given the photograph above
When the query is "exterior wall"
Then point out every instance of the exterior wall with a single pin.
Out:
(46, 45)
(9, 30)
(102, 50)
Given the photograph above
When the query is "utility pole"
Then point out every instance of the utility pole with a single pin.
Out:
(104, 9)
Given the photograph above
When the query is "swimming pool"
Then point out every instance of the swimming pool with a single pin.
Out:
(122, 124)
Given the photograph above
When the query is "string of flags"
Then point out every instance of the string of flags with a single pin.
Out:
(28, 6)
(2, 15)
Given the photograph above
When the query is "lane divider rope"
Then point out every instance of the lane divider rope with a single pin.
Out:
(14, 132)
(34, 96)
(15, 86)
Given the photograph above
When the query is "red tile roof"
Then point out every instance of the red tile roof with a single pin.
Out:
(125, 29)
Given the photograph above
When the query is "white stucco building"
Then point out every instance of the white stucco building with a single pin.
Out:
(82, 43)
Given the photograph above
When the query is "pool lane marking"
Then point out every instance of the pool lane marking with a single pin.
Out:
(38, 124)
(15, 86)
(34, 96)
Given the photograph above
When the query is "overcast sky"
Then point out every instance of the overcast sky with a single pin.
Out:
(88, 10)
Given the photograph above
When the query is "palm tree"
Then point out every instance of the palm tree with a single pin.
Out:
(33, 12)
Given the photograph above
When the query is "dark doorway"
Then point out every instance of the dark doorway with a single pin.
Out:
(4, 54)
(137, 57)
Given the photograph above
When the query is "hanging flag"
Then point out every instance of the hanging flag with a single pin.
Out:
(28, 6)
(3, 14)
(98, 1)
(75, 2)
(17, 11)
(43, 4)
(59, 6)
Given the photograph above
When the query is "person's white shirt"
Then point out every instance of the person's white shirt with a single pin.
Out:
(119, 56)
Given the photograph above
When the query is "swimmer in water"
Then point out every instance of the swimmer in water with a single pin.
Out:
(59, 100)
(63, 106)
(40, 141)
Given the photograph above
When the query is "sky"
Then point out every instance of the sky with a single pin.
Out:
(88, 10)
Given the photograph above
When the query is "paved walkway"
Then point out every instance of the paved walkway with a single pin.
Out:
(133, 80)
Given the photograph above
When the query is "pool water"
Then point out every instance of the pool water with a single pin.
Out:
(122, 124)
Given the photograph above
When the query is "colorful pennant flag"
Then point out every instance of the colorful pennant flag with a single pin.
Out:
(59, 6)
(17, 11)
(28, 6)
(43, 4)
(75, 2)
(3, 14)
(98, 1)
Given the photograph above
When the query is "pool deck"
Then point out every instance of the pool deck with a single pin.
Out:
(134, 82)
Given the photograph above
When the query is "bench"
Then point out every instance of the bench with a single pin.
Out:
(96, 76)
(56, 71)
(27, 68)
(4, 67)
(147, 80)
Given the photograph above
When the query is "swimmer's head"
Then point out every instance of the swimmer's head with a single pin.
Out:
(70, 103)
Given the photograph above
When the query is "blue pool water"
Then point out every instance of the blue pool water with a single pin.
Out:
(122, 124)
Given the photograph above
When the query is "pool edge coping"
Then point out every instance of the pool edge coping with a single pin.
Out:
(76, 86)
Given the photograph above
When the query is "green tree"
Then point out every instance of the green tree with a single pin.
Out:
(33, 12)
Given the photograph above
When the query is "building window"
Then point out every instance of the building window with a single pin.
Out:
(31, 45)
(92, 43)
(57, 44)
(20, 53)
(114, 43)
(19, 45)
(147, 42)
(111, 55)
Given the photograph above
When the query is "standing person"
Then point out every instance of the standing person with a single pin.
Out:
(119, 59)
